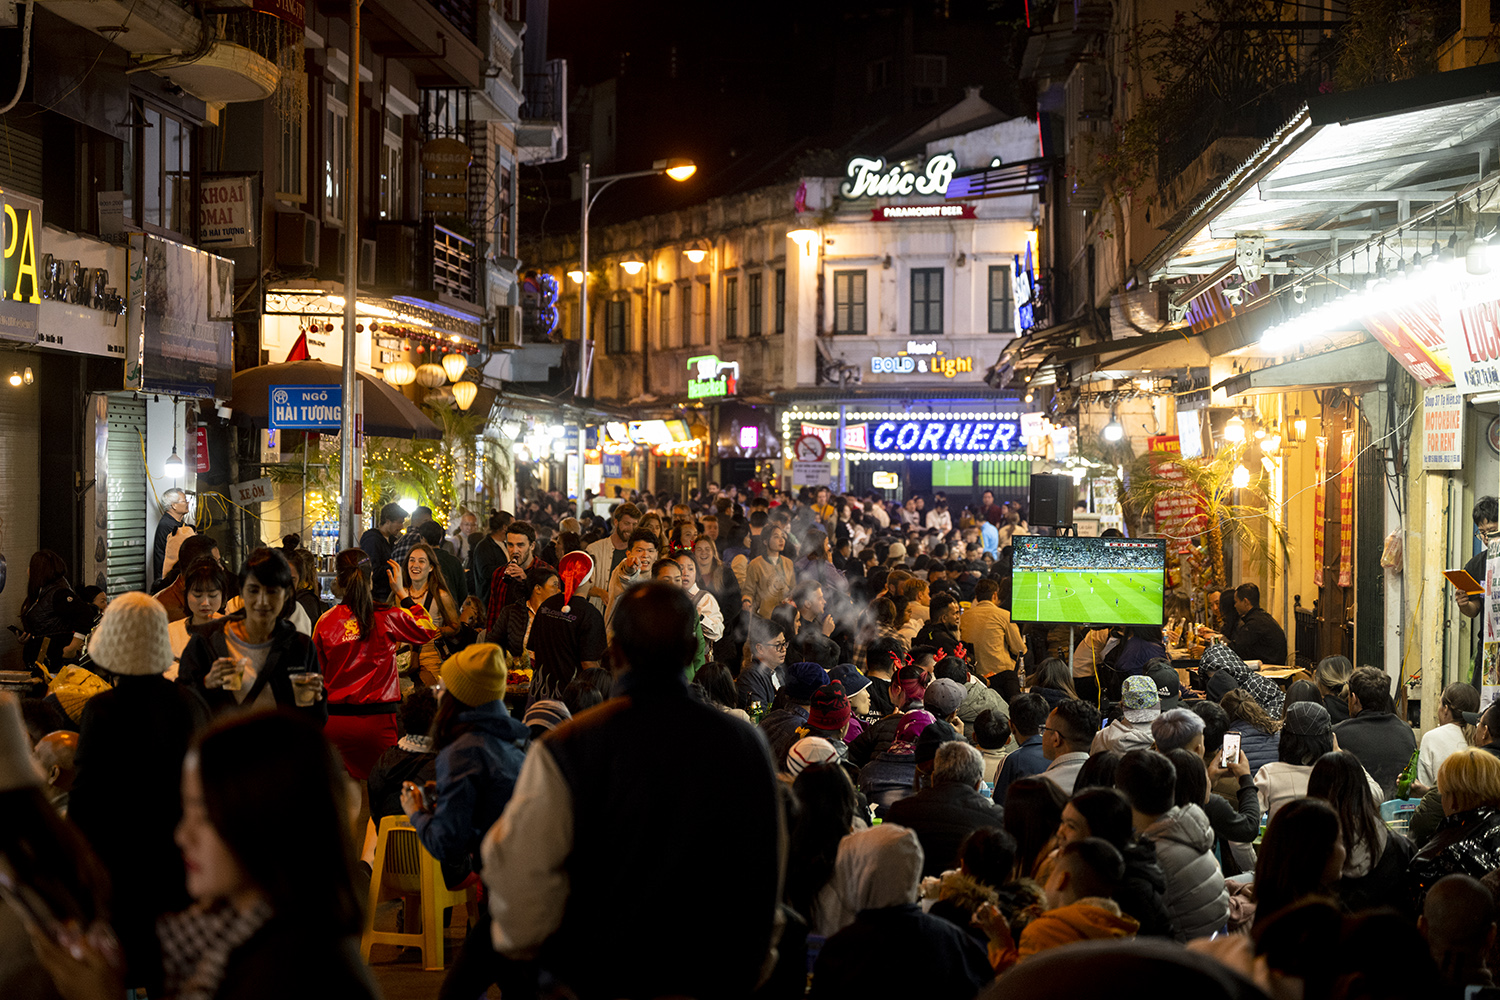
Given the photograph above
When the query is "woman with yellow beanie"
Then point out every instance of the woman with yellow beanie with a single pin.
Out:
(480, 750)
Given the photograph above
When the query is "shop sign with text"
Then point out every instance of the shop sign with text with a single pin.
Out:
(871, 178)
(712, 378)
(921, 358)
(897, 213)
(21, 289)
(1443, 429)
(226, 213)
(945, 438)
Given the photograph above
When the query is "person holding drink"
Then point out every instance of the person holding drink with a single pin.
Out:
(357, 643)
(255, 658)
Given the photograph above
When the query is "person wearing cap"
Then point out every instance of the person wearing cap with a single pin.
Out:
(857, 688)
(1306, 735)
(1263, 689)
(807, 751)
(603, 825)
(951, 807)
(1168, 683)
(891, 774)
(829, 717)
(907, 688)
(895, 555)
(477, 743)
(544, 716)
(978, 696)
(943, 698)
(1066, 737)
(1140, 704)
(127, 789)
(780, 725)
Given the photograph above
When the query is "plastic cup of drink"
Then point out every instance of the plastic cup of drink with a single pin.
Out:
(305, 687)
(236, 679)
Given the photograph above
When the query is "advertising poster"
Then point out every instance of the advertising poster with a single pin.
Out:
(1489, 681)
(1346, 510)
(1442, 429)
(178, 323)
(1320, 508)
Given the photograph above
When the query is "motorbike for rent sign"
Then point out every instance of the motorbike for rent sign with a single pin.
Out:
(1443, 429)
(226, 212)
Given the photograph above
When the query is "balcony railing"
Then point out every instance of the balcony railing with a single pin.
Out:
(461, 14)
(454, 260)
(544, 93)
(1248, 80)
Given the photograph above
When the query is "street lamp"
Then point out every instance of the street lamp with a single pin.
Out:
(592, 187)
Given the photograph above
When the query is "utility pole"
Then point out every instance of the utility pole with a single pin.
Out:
(350, 478)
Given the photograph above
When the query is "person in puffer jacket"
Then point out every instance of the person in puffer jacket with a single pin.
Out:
(1184, 840)
(1260, 735)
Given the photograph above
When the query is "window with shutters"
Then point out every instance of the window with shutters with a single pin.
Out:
(616, 327)
(163, 197)
(927, 302)
(685, 307)
(780, 300)
(849, 302)
(335, 148)
(754, 288)
(1002, 306)
(664, 317)
(731, 307)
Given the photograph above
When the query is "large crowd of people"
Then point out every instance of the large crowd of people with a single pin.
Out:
(816, 705)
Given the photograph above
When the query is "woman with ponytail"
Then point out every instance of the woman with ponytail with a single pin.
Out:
(357, 643)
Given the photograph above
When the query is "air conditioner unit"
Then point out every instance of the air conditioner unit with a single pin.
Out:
(367, 263)
(1088, 197)
(331, 253)
(395, 256)
(296, 240)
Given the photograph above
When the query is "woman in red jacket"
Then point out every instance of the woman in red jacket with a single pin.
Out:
(357, 643)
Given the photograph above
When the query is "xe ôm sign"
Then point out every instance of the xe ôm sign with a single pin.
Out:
(712, 378)
(870, 178)
(945, 438)
(305, 407)
(225, 213)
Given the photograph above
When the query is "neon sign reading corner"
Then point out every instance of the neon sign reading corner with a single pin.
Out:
(870, 178)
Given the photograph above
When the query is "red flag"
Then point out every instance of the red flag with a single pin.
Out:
(299, 349)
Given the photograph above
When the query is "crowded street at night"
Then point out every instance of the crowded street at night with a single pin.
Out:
(570, 500)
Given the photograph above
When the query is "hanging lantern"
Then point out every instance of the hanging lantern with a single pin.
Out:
(431, 376)
(406, 345)
(400, 373)
(455, 365)
(464, 393)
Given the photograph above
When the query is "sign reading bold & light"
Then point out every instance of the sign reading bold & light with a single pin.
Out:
(945, 437)
(870, 178)
(306, 407)
(712, 378)
(921, 358)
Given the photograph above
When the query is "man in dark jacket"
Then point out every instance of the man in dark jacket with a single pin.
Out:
(944, 814)
(1382, 742)
(1258, 636)
(488, 554)
(174, 512)
(1028, 713)
(941, 630)
(584, 844)
(812, 643)
(780, 726)
(378, 545)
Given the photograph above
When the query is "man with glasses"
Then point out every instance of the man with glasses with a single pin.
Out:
(758, 681)
(174, 512)
(1486, 522)
(1069, 730)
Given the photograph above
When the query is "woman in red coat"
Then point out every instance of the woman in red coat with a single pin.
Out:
(357, 644)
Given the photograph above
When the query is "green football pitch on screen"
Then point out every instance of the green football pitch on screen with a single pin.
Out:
(1094, 597)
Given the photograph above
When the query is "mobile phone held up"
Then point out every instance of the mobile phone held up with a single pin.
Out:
(1231, 749)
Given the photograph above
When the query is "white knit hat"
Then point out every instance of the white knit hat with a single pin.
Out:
(18, 768)
(131, 638)
(807, 751)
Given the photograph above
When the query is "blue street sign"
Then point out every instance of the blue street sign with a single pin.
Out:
(305, 407)
(614, 467)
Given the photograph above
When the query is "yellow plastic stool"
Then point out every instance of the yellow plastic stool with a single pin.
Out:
(404, 868)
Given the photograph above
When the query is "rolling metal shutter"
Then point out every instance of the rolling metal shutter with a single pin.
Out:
(20, 429)
(125, 518)
(21, 155)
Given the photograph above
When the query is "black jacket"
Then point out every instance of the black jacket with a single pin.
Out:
(127, 800)
(1259, 637)
(1385, 885)
(1238, 821)
(942, 817)
(291, 652)
(899, 951)
(812, 646)
(1382, 742)
(288, 963)
(1141, 891)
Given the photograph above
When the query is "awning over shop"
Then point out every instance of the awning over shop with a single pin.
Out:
(1347, 367)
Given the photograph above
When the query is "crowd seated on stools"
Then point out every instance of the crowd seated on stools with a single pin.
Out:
(890, 793)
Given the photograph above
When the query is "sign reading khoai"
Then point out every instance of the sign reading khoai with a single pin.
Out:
(870, 178)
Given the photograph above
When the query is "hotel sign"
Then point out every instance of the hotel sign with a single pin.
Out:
(871, 178)
(921, 358)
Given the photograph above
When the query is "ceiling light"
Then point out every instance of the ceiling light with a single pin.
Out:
(695, 254)
(1240, 477)
(1477, 258)
(1114, 430)
(15, 377)
(1297, 431)
(1234, 429)
(632, 266)
(27, 377)
(173, 466)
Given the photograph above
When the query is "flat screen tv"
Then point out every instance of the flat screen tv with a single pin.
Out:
(1088, 581)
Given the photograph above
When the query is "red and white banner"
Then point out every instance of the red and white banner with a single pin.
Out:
(1179, 515)
(1346, 510)
(1320, 507)
(856, 436)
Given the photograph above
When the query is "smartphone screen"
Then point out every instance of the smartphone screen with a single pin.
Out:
(1231, 750)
